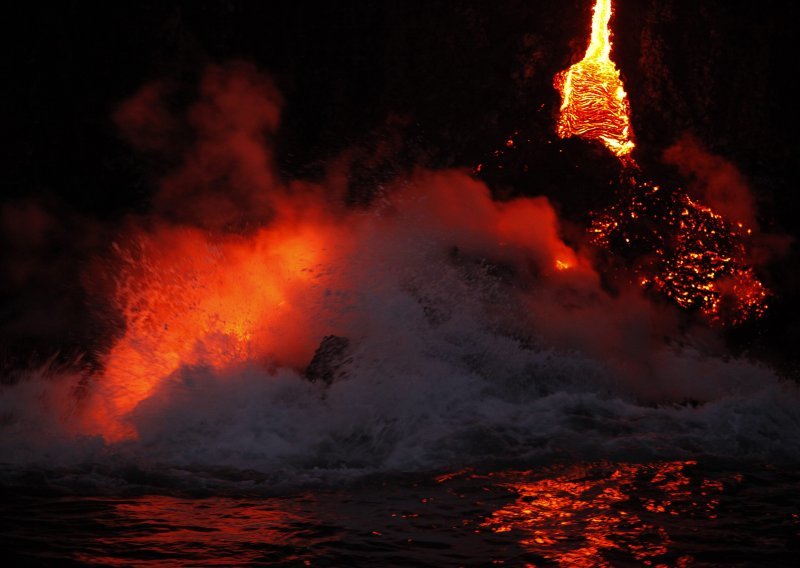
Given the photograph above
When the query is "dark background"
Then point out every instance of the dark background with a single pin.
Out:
(441, 84)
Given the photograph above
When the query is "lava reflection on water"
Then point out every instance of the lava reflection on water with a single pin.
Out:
(579, 514)
(580, 519)
(171, 531)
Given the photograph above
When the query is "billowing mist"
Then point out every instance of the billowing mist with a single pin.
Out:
(463, 328)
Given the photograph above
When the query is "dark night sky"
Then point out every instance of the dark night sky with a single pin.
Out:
(450, 80)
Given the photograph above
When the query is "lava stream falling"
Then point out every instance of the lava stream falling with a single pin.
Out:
(677, 246)
(594, 103)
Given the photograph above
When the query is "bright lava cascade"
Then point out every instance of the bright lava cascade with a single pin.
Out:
(676, 245)
(594, 103)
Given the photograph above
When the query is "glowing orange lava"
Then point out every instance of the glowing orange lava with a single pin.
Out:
(685, 251)
(210, 299)
(678, 246)
(194, 299)
(594, 103)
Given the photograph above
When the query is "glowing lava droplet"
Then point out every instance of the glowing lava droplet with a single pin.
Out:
(594, 104)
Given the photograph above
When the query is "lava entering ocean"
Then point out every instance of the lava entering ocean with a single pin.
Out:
(678, 246)
(198, 290)
(315, 338)
(238, 272)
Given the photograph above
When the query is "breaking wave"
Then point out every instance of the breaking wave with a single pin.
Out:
(273, 335)
(441, 378)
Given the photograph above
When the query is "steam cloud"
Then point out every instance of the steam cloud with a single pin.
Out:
(715, 181)
(719, 183)
(467, 318)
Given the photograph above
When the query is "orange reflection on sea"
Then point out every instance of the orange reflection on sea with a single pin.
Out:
(172, 531)
(582, 519)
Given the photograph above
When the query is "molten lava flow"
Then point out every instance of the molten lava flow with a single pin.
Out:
(683, 250)
(594, 103)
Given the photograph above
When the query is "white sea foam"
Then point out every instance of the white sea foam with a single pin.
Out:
(461, 353)
(423, 393)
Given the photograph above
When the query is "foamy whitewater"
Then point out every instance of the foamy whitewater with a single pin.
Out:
(476, 335)
(440, 376)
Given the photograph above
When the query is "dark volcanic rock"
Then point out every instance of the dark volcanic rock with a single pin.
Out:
(332, 354)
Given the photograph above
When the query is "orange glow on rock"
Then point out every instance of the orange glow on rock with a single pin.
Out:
(691, 254)
(687, 250)
(594, 104)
